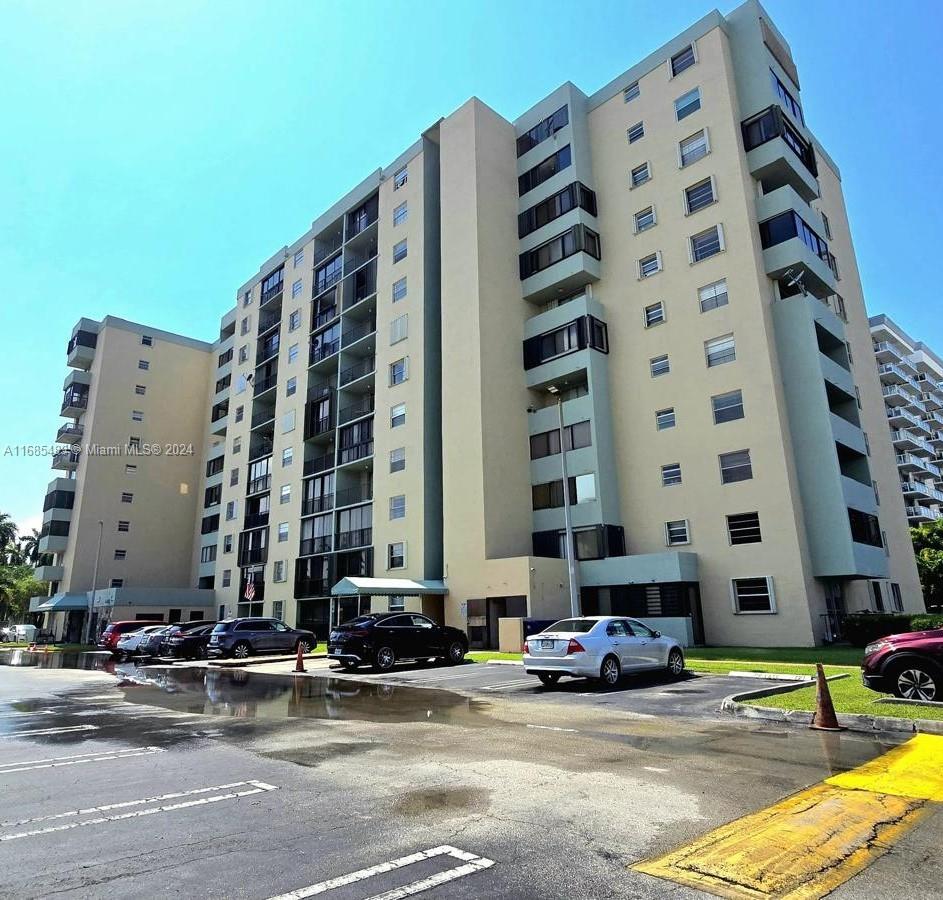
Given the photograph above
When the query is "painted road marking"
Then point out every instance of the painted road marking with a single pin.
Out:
(249, 788)
(471, 863)
(65, 730)
(26, 713)
(75, 759)
(557, 728)
(805, 846)
(507, 685)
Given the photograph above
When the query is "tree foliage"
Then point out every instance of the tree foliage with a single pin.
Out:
(928, 547)
(17, 578)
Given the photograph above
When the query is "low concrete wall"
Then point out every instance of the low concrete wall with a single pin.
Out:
(510, 635)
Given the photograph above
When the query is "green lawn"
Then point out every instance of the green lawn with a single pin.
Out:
(56, 648)
(849, 695)
(722, 667)
(836, 656)
(485, 655)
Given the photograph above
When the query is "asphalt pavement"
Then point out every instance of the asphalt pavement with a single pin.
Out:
(198, 782)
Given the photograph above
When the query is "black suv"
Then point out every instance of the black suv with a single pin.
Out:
(241, 638)
(382, 639)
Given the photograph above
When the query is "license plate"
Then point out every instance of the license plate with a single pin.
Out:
(546, 645)
(214, 640)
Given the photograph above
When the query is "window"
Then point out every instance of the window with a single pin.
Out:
(299, 258)
(227, 543)
(291, 386)
(644, 219)
(636, 132)
(788, 102)
(399, 328)
(744, 528)
(659, 365)
(398, 459)
(711, 296)
(399, 371)
(865, 528)
(727, 407)
(288, 454)
(631, 92)
(720, 350)
(549, 495)
(398, 415)
(137, 415)
(544, 170)
(577, 239)
(231, 510)
(209, 524)
(143, 364)
(676, 532)
(292, 353)
(687, 103)
(282, 532)
(134, 444)
(130, 469)
(683, 60)
(649, 265)
(127, 497)
(288, 422)
(547, 443)
(671, 474)
(243, 354)
(399, 250)
(247, 297)
(692, 148)
(735, 466)
(399, 214)
(699, 195)
(240, 413)
(396, 555)
(294, 320)
(706, 244)
(572, 196)
(398, 506)
(897, 597)
(208, 554)
(244, 325)
(826, 226)
(284, 495)
(584, 332)
(400, 178)
(542, 130)
(147, 340)
(665, 418)
(233, 477)
(399, 289)
(753, 595)
(237, 445)
(124, 525)
(278, 574)
(227, 577)
(654, 314)
(140, 389)
(789, 225)
(121, 554)
(640, 174)
(116, 582)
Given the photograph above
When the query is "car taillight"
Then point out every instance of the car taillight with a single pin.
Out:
(358, 632)
(525, 648)
(574, 647)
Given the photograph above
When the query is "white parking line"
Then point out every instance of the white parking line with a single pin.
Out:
(553, 728)
(254, 787)
(64, 730)
(75, 759)
(27, 713)
(506, 685)
(471, 863)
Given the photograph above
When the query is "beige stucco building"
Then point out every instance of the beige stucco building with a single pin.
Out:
(667, 264)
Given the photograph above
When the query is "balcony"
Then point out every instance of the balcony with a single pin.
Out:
(932, 400)
(358, 370)
(317, 427)
(273, 293)
(69, 434)
(311, 506)
(315, 545)
(266, 349)
(251, 556)
(262, 386)
(906, 441)
(360, 284)
(264, 417)
(778, 154)
(920, 515)
(259, 485)
(354, 452)
(65, 460)
(325, 247)
(323, 350)
(269, 321)
(353, 496)
(912, 489)
(358, 331)
(326, 310)
(892, 374)
(791, 247)
(255, 520)
(351, 540)
(887, 352)
(313, 587)
(74, 403)
(318, 464)
(356, 410)
(80, 350)
(54, 536)
(908, 463)
(49, 573)
(324, 281)
(363, 217)
(898, 395)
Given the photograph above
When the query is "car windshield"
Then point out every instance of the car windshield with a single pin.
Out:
(577, 626)
(220, 626)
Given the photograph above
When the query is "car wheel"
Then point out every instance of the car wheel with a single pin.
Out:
(305, 645)
(676, 663)
(456, 652)
(610, 671)
(548, 679)
(384, 660)
(242, 650)
(916, 682)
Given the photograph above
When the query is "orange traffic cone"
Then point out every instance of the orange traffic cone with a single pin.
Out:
(300, 662)
(824, 718)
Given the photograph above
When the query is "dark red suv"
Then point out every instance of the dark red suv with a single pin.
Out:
(909, 665)
(108, 639)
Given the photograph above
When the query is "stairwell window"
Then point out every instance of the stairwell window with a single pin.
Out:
(720, 350)
(699, 195)
(127, 497)
(143, 364)
(140, 389)
(712, 296)
(400, 178)
(399, 289)
(636, 132)
(687, 104)
(396, 555)
(645, 219)
(671, 474)
(398, 459)
(735, 466)
(659, 365)
(753, 595)
(706, 244)
(640, 174)
(399, 371)
(124, 525)
(682, 60)
(399, 329)
(398, 415)
(137, 415)
(654, 314)
(693, 148)
(147, 340)
(296, 288)
(649, 265)
(399, 250)
(121, 554)
(298, 258)
(727, 407)
(398, 506)
(631, 92)
(676, 532)
(744, 528)
(665, 418)
(294, 320)
(400, 213)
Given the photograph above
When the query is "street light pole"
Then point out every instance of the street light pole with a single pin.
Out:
(575, 605)
(91, 593)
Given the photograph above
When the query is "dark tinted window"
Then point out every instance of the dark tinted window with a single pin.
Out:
(422, 621)
(580, 626)
(398, 622)
(220, 627)
(359, 622)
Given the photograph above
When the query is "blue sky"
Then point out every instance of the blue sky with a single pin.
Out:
(155, 152)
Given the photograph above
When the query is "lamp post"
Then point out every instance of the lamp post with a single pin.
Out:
(91, 593)
(575, 605)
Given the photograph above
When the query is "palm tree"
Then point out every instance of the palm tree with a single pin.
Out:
(29, 547)
(7, 530)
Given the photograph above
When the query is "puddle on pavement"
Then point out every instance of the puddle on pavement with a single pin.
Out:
(441, 802)
(38, 659)
(239, 694)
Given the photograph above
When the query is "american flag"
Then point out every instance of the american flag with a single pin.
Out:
(250, 590)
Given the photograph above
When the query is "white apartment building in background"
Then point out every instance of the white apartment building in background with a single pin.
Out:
(669, 258)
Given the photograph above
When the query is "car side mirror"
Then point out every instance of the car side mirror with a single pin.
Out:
(657, 634)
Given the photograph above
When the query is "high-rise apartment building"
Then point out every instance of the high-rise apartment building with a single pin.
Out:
(911, 376)
(667, 264)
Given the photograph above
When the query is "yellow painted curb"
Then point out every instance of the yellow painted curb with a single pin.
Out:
(914, 769)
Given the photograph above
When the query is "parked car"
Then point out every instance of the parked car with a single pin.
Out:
(152, 644)
(188, 641)
(129, 643)
(108, 639)
(600, 647)
(383, 639)
(241, 638)
(909, 665)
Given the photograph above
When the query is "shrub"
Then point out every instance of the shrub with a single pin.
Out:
(926, 622)
(862, 628)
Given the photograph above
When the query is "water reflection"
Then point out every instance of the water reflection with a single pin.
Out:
(39, 659)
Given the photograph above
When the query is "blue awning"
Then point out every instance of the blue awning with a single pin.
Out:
(63, 603)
